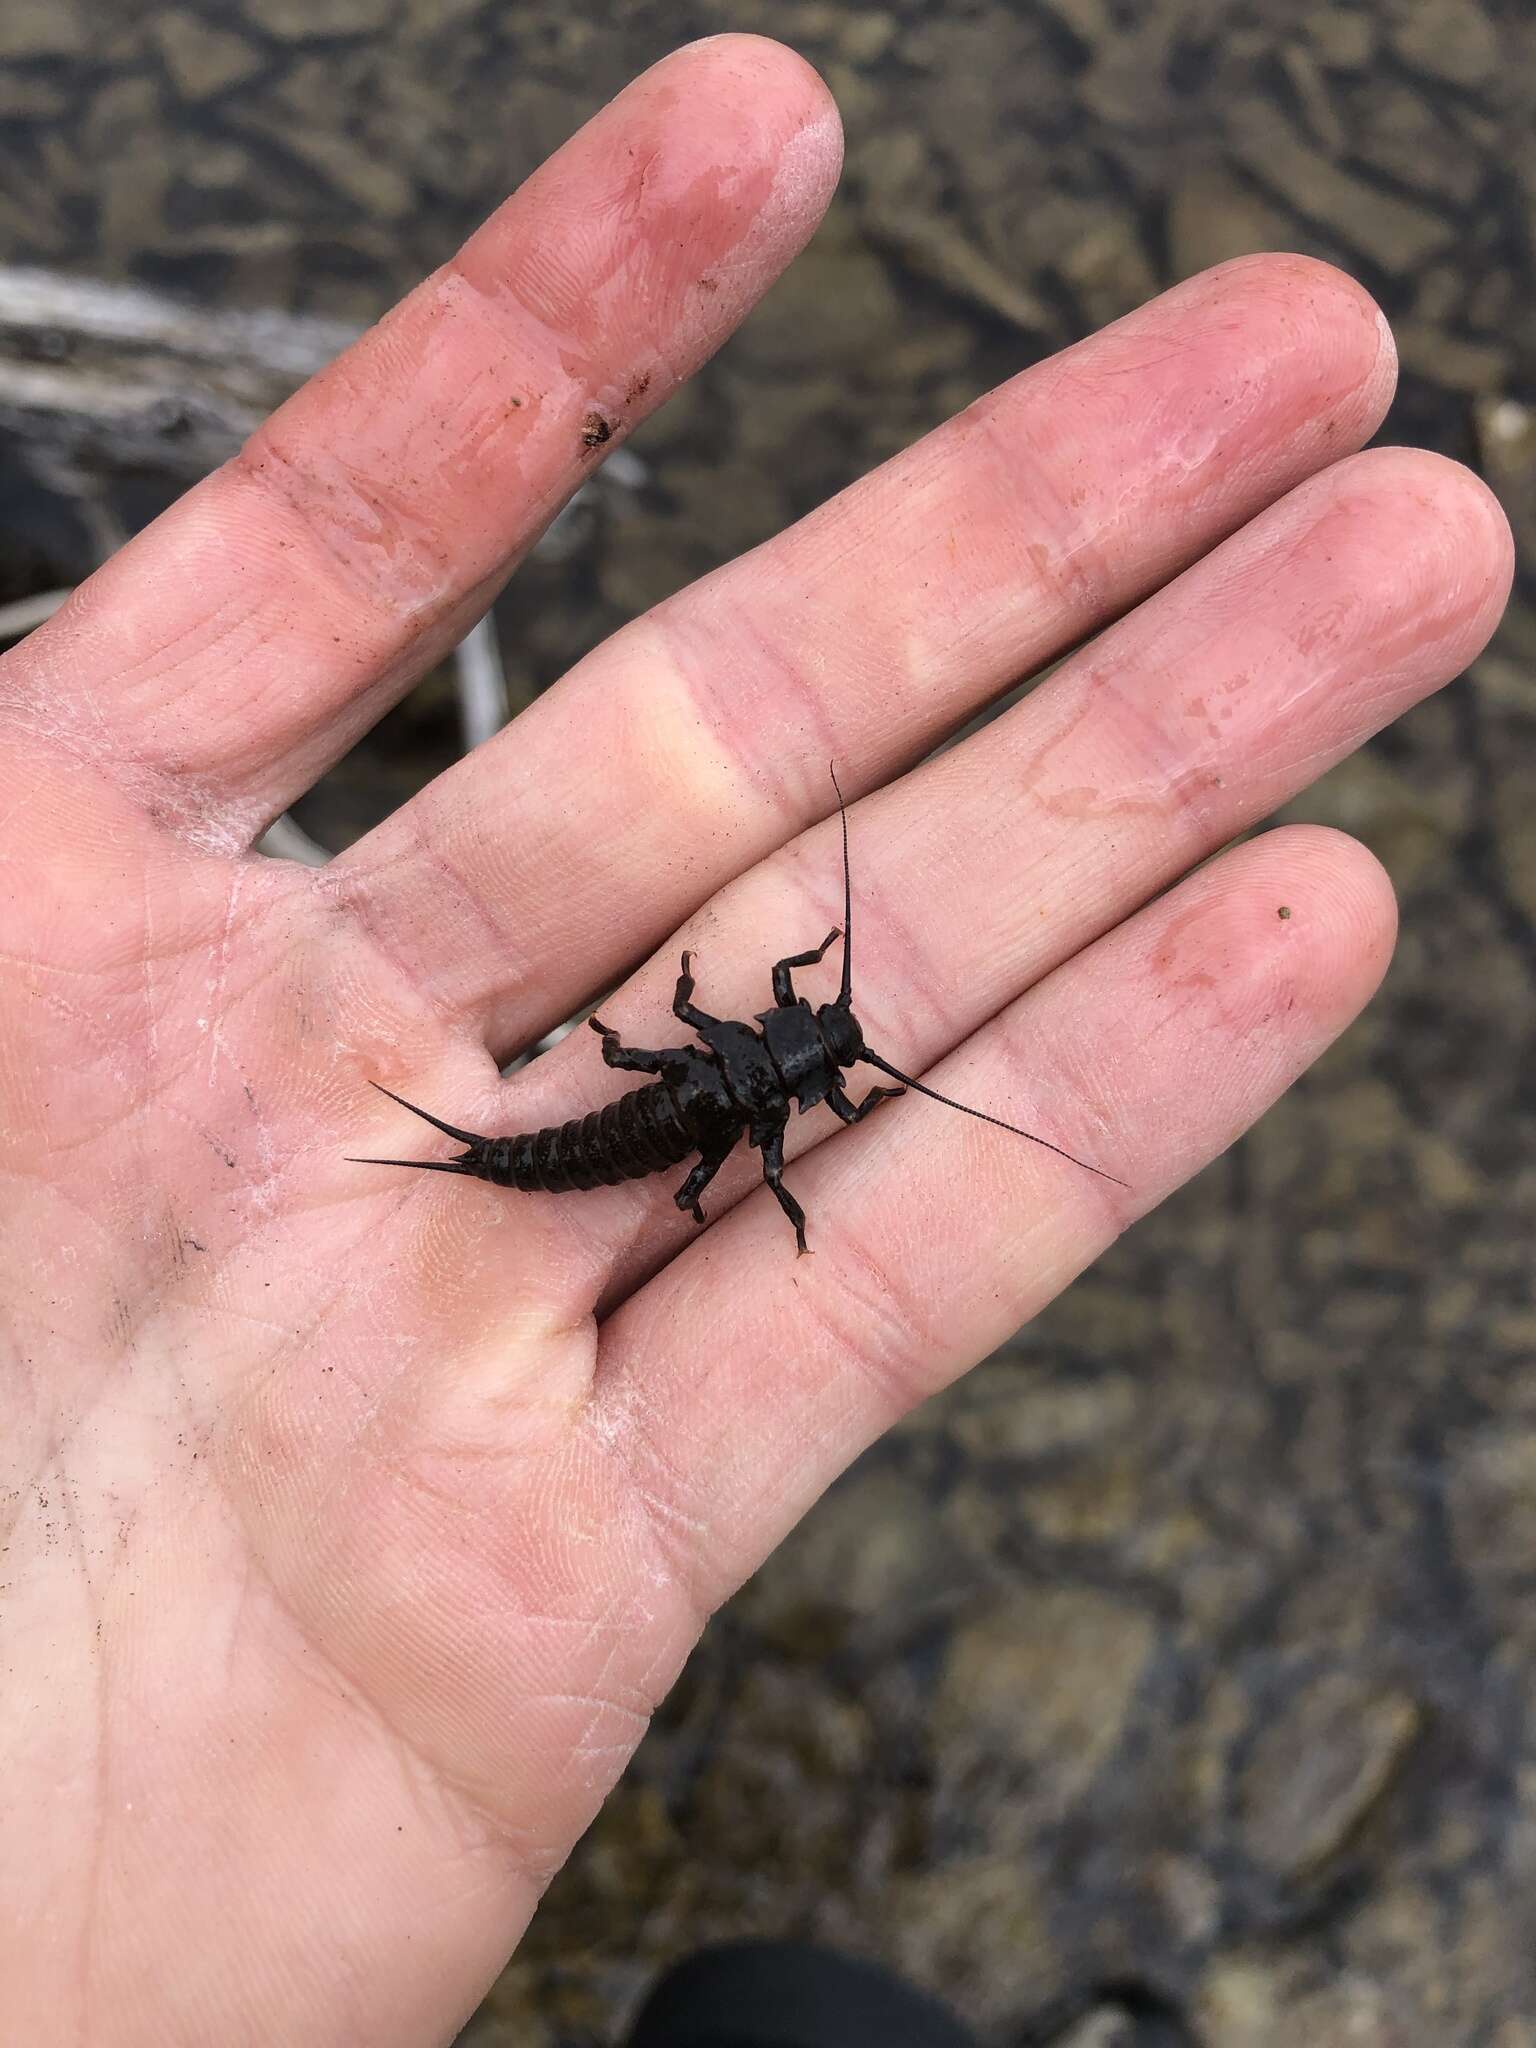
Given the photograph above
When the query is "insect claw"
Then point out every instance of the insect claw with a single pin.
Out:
(598, 1025)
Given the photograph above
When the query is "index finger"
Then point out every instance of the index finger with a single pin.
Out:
(244, 640)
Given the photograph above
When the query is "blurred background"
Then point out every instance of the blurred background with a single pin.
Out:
(1173, 1679)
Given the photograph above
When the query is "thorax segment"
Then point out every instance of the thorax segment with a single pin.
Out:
(794, 1045)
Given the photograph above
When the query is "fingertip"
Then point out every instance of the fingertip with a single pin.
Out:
(1325, 294)
(1340, 305)
(764, 99)
(1235, 982)
(1334, 906)
(1271, 952)
(676, 205)
(1472, 523)
(1445, 535)
(810, 138)
(1320, 320)
(764, 63)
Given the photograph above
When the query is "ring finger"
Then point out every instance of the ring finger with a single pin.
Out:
(1197, 715)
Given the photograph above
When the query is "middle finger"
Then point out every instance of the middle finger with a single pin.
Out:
(520, 882)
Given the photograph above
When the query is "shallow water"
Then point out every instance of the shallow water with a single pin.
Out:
(1189, 1645)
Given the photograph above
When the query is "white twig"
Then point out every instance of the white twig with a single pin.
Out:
(482, 684)
(19, 618)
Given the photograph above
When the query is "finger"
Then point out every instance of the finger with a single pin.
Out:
(1194, 717)
(521, 881)
(740, 1381)
(253, 632)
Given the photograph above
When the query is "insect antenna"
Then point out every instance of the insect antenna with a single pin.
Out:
(933, 1094)
(470, 1138)
(845, 999)
(845, 993)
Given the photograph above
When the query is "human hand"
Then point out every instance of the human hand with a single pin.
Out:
(357, 1521)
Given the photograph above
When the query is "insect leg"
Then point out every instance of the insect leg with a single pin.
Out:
(682, 1001)
(769, 1138)
(631, 1059)
(853, 1114)
(687, 1196)
(783, 988)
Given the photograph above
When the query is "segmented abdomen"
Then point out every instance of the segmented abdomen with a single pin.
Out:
(639, 1134)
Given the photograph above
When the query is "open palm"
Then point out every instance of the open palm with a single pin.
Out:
(356, 1521)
